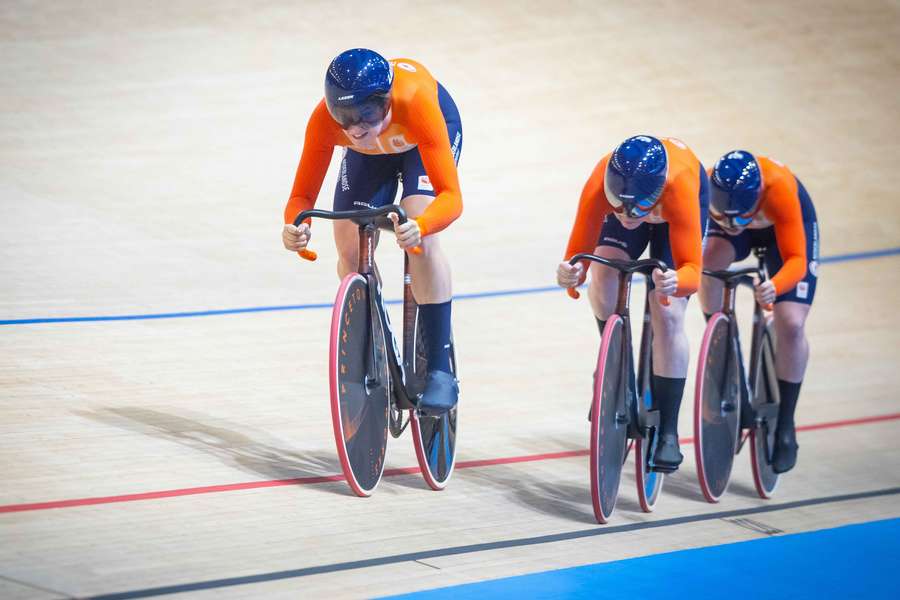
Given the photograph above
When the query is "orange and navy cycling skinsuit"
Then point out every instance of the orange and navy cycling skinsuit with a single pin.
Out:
(785, 224)
(674, 229)
(420, 147)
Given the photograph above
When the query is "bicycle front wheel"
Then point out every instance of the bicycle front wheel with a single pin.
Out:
(360, 386)
(608, 426)
(717, 397)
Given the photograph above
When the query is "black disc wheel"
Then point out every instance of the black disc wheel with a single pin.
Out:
(609, 423)
(360, 386)
(717, 407)
(765, 403)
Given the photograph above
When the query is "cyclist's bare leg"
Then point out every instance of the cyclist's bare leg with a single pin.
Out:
(718, 255)
(430, 270)
(670, 362)
(790, 340)
(432, 289)
(791, 356)
(604, 282)
(670, 343)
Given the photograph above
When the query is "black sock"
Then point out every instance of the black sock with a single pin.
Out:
(788, 392)
(601, 323)
(667, 392)
(436, 328)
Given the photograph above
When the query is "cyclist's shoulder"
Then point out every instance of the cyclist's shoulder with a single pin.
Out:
(680, 155)
(773, 170)
(410, 79)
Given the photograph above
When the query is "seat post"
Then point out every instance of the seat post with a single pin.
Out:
(366, 248)
(624, 293)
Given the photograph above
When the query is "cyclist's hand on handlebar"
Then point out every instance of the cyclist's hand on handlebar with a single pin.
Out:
(569, 276)
(295, 238)
(408, 234)
(666, 283)
(765, 294)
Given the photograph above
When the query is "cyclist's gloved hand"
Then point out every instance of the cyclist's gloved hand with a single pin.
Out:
(765, 293)
(295, 238)
(408, 234)
(666, 283)
(569, 276)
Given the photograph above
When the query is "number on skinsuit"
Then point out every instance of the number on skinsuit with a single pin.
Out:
(405, 66)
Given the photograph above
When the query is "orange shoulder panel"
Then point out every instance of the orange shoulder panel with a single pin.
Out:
(681, 210)
(416, 106)
(781, 205)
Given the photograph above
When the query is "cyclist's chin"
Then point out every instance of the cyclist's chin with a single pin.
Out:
(629, 223)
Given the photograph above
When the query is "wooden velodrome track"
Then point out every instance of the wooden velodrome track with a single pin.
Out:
(145, 156)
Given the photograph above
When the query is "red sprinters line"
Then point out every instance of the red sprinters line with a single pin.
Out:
(468, 464)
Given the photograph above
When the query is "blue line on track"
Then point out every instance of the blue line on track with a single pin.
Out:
(322, 305)
(855, 561)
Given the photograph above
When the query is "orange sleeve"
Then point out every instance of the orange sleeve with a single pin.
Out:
(430, 131)
(592, 210)
(681, 210)
(782, 206)
(318, 146)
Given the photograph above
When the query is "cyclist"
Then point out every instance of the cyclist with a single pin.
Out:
(758, 202)
(647, 191)
(397, 124)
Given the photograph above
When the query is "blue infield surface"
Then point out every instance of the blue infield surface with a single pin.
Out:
(856, 561)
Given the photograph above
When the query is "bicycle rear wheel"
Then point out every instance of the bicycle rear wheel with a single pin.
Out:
(765, 401)
(360, 386)
(433, 437)
(649, 482)
(717, 397)
(608, 428)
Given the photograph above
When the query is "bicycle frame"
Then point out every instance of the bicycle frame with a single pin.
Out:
(748, 417)
(369, 224)
(629, 410)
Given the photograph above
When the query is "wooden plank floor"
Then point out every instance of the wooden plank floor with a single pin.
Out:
(145, 156)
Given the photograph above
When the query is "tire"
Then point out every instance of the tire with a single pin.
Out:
(717, 398)
(359, 412)
(608, 430)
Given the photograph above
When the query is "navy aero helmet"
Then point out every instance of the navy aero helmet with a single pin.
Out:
(736, 190)
(636, 175)
(358, 87)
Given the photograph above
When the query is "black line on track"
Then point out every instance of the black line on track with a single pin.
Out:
(456, 550)
(35, 586)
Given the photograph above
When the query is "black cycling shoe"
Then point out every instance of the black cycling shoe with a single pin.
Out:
(441, 394)
(667, 456)
(785, 456)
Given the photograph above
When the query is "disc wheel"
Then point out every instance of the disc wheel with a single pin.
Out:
(717, 397)
(608, 428)
(360, 386)
(762, 437)
(434, 438)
